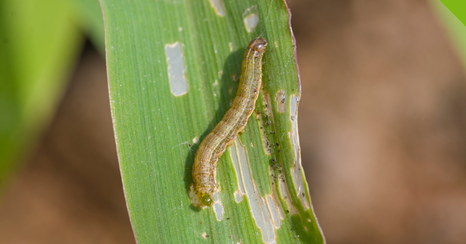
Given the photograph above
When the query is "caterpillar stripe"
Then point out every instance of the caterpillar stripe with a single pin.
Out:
(233, 121)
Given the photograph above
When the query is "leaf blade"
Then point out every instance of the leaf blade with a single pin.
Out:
(157, 132)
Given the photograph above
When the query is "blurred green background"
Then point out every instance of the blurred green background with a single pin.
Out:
(41, 42)
(382, 122)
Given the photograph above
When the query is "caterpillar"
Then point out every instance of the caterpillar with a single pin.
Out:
(233, 122)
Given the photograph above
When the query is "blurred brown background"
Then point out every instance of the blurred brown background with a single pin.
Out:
(382, 127)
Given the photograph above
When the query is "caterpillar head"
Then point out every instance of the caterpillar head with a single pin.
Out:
(206, 199)
(259, 44)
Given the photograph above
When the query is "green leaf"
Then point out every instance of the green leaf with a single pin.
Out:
(158, 126)
(89, 14)
(454, 25)
(38, 44)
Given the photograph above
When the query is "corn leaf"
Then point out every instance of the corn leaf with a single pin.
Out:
(173, 69)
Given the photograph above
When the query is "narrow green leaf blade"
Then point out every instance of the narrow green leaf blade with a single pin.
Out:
(38, 45)
(452, 15)
(89, 14)
(173, 68)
